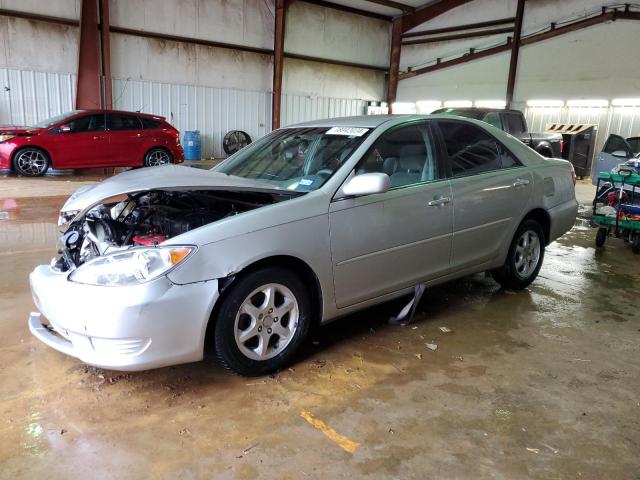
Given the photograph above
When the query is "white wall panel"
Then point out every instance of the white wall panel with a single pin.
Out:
(300, 108)
(213, 111)
(27, 97)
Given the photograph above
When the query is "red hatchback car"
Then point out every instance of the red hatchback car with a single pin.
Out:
(88, 139)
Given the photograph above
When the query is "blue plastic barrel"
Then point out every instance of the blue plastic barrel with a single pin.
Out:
(191, 145)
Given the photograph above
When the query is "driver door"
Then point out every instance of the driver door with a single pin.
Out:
(81, 143)
(385, 242)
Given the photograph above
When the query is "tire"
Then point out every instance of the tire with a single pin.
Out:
(247, 309)
(546, 153)
(601, 236)
(157, 156)
(523, 263)
(635, 243)
(31, 162)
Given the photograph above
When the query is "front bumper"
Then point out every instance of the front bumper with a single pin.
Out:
(137, 327)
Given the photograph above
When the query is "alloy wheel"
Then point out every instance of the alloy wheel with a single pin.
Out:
(158, 157)
(266, 321)
(527, 253)
(31, 162)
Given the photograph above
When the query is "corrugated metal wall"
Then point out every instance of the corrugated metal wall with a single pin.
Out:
(624, 121)
(300, 108)
(213, 111)
(27, 97)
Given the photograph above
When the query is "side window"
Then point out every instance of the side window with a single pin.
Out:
(406, 154)
(471, 150)
(493, 118)
(149, 123)
(616, 143)
(89, 123)
(117, 121)
(514, 123)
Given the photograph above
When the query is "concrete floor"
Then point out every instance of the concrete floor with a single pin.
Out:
(541, 384)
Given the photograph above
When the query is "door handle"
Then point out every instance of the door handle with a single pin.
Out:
(439, 200)
(520, 182)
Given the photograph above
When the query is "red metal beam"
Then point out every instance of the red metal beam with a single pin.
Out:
(105, 54)
(345, 8)
(394, 61)
(88, 91)
(459, 36)
(515, 50)
(460, 28)
(392, 4)
(278, 59)
(572, 27)
(425, 14)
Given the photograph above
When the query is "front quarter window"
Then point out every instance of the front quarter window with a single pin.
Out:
(299, 159)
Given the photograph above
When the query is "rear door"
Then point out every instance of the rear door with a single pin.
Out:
(384, 242)
(126, 139)
(616, 150)
(81, 142)
(490, 190)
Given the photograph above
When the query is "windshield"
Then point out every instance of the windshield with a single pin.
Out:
(299, 159)
(50, 121)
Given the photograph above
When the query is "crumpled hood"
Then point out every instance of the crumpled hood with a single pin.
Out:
(166, 177)
(18, 130)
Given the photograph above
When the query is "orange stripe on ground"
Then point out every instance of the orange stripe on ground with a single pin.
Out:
(348, 445)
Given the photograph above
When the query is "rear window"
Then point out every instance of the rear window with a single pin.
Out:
(149, 123)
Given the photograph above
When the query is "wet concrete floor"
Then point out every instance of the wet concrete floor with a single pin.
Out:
(541, 384)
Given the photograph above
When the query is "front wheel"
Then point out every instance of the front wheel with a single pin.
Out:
(524, 259)
(31, 162)
(635, 243)
(156, 157)
(601, 236)
(262, 321)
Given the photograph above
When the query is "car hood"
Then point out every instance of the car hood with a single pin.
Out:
(17, 130)
(166, 177)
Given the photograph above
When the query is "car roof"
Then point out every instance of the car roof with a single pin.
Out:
(369, 121)
(140, 114)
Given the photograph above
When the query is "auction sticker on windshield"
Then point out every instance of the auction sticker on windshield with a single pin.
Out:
(348, 131)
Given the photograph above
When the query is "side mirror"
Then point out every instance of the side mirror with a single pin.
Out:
(365, 184)
(66, 128)
(619, 154)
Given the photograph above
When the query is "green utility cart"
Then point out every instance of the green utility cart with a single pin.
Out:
(616, 208)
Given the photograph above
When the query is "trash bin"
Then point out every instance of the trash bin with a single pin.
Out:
(191, 145)
(579, 142)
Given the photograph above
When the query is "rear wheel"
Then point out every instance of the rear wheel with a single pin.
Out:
(601, 236)
(635, 243)
(262, 321)
(156, 157)
(31, 162)
(524, 259)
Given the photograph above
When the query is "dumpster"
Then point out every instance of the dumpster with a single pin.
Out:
(579, 142)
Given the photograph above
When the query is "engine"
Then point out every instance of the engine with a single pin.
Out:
(148, 219)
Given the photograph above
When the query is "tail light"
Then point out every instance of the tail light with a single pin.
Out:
(561, 146)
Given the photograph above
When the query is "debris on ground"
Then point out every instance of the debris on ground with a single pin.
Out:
(391, 431)
(185, 431)
(431, 346)
(63, 431)
(418, 356)
(533, 450)
(554, 450)
(319, 363)
(460, 358)
(502, 414)
(445, 330)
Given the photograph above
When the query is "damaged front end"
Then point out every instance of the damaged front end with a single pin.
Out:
(147, 219)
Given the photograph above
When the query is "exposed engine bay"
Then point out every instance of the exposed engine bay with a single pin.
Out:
(148, 219)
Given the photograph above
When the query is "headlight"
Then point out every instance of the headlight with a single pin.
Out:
(132, 267)
(4, 138)
(66, 217)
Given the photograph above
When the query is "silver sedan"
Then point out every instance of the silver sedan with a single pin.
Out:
(308, 224)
